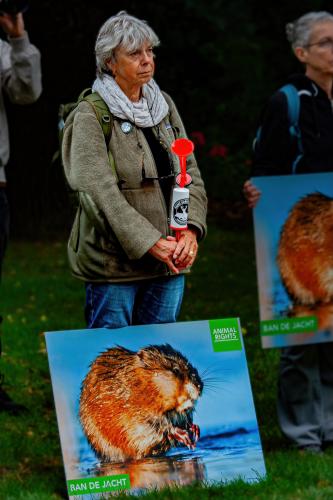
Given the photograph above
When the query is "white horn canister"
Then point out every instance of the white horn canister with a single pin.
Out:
(179, 208)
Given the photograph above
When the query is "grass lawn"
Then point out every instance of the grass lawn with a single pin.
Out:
(38, 294)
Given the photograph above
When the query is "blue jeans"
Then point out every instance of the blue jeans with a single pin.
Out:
(114, 305)
(4, 224)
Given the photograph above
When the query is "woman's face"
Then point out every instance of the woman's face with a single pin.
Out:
(318, 54)
(133, 69)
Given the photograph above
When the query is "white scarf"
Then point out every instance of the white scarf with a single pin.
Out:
(147, 112)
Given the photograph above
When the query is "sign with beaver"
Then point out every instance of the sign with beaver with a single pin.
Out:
(293, 223)
(153, 405)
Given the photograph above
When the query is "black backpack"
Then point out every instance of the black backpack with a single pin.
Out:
(293, 104)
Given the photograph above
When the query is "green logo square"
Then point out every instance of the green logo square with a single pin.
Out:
(225, 334)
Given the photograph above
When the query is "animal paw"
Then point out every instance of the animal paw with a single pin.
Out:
(183, 437)
(195, 430)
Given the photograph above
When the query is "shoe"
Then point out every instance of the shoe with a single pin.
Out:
(314, 449)
(8, 405)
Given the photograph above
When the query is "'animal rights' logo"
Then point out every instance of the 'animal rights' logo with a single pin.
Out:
(180, 211)
(225, 334)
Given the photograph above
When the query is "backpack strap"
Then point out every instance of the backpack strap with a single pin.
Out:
(293, 104)
(104, 117)
(102, 112)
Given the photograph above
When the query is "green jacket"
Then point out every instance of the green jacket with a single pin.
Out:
(118, 222)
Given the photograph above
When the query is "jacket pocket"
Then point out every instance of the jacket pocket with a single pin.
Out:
(94, 215)
(74, 237)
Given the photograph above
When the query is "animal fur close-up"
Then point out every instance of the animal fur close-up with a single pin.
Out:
(305, 256)
(139, 404)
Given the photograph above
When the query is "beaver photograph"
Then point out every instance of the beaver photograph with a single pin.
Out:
(139, 404)
(157, 403)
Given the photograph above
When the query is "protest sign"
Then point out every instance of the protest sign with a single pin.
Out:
(154, 405)
(293, 223)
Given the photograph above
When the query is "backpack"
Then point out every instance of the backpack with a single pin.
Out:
(293, 104)
(101, 110)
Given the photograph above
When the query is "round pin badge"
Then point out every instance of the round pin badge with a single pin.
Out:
(126, 127)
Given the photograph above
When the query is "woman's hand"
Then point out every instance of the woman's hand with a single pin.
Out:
(186, 250)
(13, 25)
(251, 193)
(163, 250)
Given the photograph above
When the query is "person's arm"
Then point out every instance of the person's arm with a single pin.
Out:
(163, 250)
(187, 248)
(252, 194)
(20, 61)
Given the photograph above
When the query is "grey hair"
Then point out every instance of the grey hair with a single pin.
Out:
(122, 30)
(299, 32)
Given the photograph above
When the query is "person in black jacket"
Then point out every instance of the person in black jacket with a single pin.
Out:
(305, 397)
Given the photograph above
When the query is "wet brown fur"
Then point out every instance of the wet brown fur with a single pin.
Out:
(305, 253)
(131, 401)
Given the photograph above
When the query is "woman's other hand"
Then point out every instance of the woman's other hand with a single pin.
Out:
(163, 250)
(251, 193)
(186, 249)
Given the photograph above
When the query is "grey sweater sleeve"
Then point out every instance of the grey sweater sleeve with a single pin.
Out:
(88, 170)
(21, 70)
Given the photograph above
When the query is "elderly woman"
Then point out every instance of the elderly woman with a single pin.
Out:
(123, 248)
(305, 400)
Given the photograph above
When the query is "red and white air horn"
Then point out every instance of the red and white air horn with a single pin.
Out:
(181, 194)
